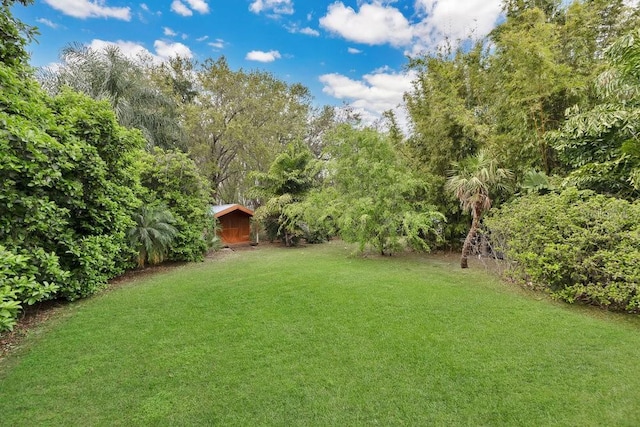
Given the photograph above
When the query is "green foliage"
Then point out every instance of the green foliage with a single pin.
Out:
(26, 279)
(173, 180)
(290, 177)
(67, 190)
(239, 122)
(536, 182)
(153, 234)
(14, 35)
(125, 83)
(473, 181)
(378, 200)
(600, 145)
(577, 245)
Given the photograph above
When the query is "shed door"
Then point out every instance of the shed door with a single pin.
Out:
(235, 228)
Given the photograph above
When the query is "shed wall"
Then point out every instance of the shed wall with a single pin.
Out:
(236, 227)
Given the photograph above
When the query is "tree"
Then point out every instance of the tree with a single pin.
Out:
(449, 122)
(601, 145)
(14, 35)
(172, 179)
(152, 235)
(239, 122)
(530, 87)
(471, 181)
(377, 201)
(291, 176)
(107, 74)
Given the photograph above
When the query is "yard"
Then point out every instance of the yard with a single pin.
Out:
(316, 336)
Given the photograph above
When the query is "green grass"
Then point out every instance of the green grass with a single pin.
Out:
(313, 336)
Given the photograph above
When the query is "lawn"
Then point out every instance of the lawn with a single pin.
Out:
(314, 336)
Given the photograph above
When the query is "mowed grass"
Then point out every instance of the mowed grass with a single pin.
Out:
(314, 336)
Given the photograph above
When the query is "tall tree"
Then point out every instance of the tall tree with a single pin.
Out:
(473, 182)
(14, 35)
(377, 200)
(530, 87)
(239, 122)
(125, 83)
(449, 122)
(290, 178)
(601, 145)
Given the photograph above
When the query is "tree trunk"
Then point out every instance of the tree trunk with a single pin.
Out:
(473, 231)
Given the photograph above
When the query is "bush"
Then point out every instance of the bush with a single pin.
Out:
(26, 279)
(172, 179)
(579, 246)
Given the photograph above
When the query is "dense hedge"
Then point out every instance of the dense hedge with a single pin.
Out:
(67, 192)
(172, 179)
(579, 246)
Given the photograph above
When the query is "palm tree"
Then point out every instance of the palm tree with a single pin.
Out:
(471, 181)
(152, 234)
(125, 83)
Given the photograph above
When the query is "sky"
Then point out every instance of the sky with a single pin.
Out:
(345, 52)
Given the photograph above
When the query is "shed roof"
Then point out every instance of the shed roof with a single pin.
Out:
(221, 210)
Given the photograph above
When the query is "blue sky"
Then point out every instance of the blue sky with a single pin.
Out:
(351, 52)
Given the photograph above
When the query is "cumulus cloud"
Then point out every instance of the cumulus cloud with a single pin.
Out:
(136, 51)
(277, 7)
(432, 21)
(187, 9)
(372, 95)
(90, 9)
(166, 50)
(47, 22)
(373, 24)
(260, 56)
(455, 19)
(199, 6)
(180, 8)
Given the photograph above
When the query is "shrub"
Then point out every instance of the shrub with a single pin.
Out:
(172, 179)
(26, 279)
(579, 246)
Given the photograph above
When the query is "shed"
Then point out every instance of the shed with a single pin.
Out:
(235, 223)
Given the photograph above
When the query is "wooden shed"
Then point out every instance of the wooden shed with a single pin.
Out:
(235, 223)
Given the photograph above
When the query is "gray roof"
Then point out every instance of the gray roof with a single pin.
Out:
(219, 208)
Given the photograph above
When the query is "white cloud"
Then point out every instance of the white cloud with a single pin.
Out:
(136, 51)
(169, 32)
(309, 31)
(278, 7)
(167, 50)
(217, 44)
(260, 56)
(354, 51)
(180, 8)
(90, 9)
(455, 19)
(187, 9)
(48, 23)
(432, 21)
(200, 6)
(373, 24)
(144, 7)
(294, 29)
(201, 39)
(374, 94)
